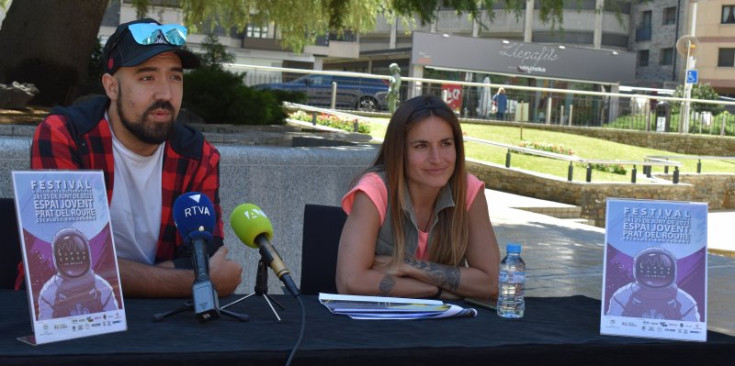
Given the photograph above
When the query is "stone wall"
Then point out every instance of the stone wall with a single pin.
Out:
(717, 190)
(280, 180)
(704, 145)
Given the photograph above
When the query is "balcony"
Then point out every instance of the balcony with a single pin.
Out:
(345, 45)
(643, 33)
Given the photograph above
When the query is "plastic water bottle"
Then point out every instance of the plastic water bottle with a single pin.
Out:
(512, 284)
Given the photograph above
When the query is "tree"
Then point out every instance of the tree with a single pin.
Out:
(700, 91)
(300, 22)
(215, 53)
(48, 42)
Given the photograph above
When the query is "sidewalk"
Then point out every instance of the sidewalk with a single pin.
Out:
(719, 230)
(564, 258)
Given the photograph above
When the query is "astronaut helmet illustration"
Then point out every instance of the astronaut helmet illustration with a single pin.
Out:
(71, 253)
(655, 268)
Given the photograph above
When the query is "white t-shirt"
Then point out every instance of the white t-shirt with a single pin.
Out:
(135, 210)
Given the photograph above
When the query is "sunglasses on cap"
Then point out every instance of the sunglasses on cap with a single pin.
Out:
(150, 33)
(132, 44)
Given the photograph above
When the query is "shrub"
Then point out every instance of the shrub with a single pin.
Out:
(220, 96)
(699, 91)
(610, 168)
(558, 149)
(332, 121)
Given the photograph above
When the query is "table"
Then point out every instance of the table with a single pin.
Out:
(564, 330)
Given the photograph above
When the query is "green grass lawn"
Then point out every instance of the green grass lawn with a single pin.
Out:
(584, 147)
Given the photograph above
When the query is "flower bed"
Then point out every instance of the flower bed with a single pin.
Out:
(561, 149)
(333, 121)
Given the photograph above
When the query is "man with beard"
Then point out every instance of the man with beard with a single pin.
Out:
(148, 159)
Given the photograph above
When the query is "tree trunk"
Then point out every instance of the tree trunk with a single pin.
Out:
(49, 43)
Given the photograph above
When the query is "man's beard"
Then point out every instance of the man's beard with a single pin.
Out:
(144, 130)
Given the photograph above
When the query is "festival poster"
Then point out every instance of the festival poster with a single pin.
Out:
(72, 277)
(655, 270)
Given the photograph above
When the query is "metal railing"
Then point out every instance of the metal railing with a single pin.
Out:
(573, 107)
(647, 163)
(551, 106)
(315, 111)
(699, 159)
(588, 163)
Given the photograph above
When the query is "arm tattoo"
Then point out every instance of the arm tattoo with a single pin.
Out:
(386, 285)
(442, 275)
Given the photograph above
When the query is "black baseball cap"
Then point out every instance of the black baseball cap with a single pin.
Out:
(122, 49)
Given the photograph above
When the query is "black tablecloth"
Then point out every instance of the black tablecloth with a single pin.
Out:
(554, 330)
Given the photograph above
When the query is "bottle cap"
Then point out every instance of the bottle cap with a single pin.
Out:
(513, 248)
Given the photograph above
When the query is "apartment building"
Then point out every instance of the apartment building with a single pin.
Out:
(594, 24)
(255, 45)
(658, 24)
(714, 28)
(647, 30)
(588, 51)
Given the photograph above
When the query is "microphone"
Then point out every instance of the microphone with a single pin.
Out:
(254, 229)
(195, 219)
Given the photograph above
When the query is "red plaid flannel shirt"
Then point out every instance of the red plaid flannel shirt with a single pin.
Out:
(190, 163)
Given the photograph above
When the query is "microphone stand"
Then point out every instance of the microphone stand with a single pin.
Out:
(261, 289)
(189, 305)
(203, 292)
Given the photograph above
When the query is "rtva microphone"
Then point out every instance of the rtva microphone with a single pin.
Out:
(254, 229)
(195, 219)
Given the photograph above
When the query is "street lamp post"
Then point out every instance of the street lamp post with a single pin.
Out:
(691, 63)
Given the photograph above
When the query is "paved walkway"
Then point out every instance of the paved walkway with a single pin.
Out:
(565, 258)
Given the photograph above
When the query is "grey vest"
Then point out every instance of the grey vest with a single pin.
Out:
(385, 245)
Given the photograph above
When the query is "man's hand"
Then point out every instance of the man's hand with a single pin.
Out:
(224, 273)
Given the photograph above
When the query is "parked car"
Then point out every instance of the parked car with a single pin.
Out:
(365, 94)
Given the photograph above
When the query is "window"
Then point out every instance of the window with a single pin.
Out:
(726, 58)
(667, 56)
(254, 31)
(669, 15)
(728, 14)
(646, 19)
(643, 58)
(643, 32)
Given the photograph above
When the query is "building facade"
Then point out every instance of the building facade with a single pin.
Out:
(649, 29)
(658, 24)
(714, 29)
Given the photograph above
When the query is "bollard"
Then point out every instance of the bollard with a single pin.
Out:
(561, 115)
(507, 159)
(356, 126)
(676, 175)
(570, 172)
(313, 118)
(589, 173)
(333, 105)
(699, 166)
(633, 174)
(571, 113)
(724, 122)
(647, 170)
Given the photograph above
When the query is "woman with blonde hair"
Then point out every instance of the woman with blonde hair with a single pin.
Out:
(501, 104)
(418, 223)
